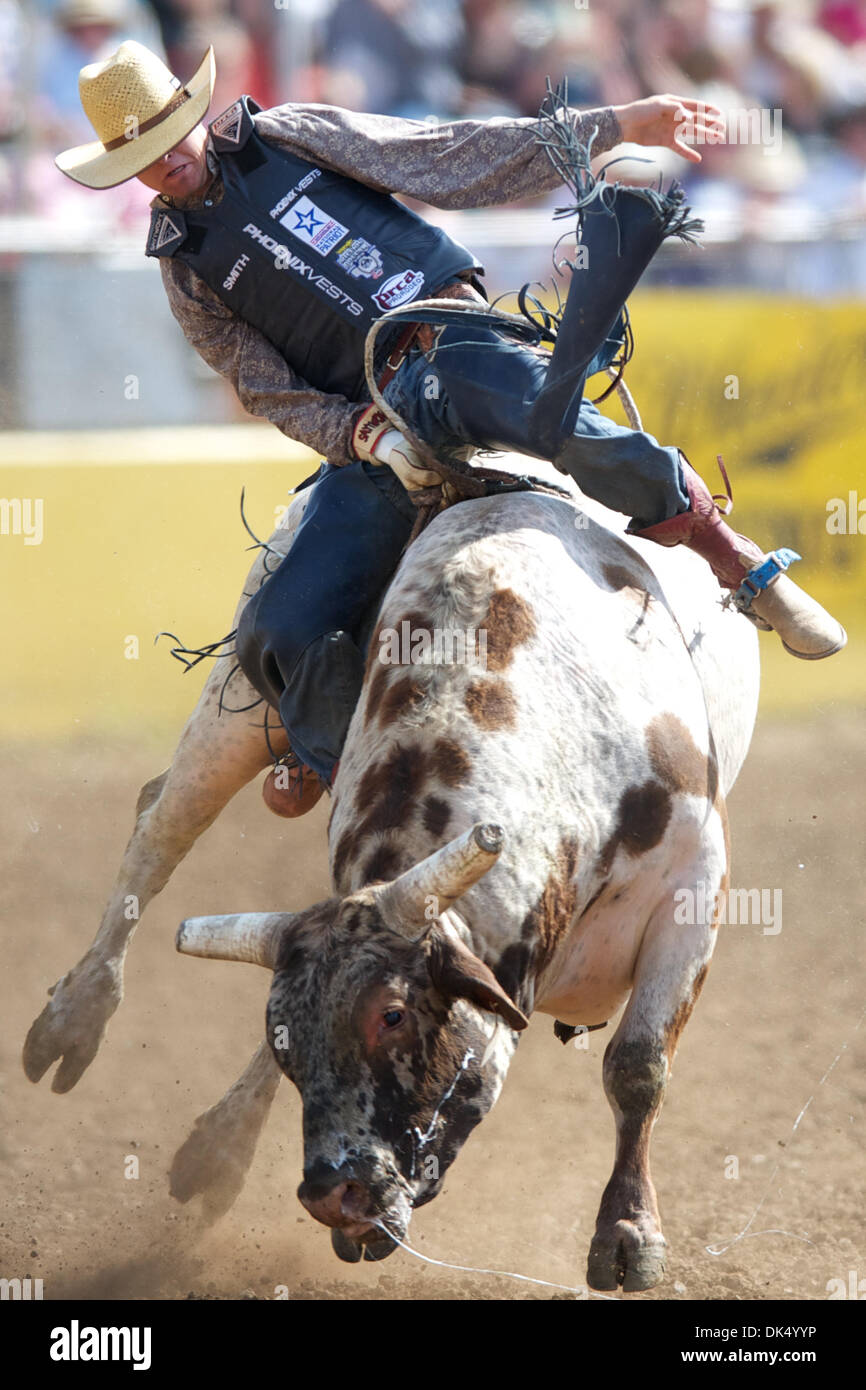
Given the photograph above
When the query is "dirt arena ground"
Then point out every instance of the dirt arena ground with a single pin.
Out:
(778, 1011)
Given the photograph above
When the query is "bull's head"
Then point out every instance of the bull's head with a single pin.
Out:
(397, 1036)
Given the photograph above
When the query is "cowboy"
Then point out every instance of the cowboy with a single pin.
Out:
(280, 245)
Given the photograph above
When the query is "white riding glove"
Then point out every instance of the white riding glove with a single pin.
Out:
(374, 438)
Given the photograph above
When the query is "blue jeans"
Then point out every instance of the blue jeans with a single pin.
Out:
(478, 386)
(300, 638)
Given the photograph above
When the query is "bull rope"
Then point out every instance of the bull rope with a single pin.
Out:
(632, 414)
(581, 1290)
(465, 477)
(420, 1141)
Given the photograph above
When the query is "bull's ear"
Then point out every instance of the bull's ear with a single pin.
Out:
(458, 974)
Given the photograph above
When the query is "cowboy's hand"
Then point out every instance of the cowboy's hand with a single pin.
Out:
(374, 438)
(395, 450)
(669, 121)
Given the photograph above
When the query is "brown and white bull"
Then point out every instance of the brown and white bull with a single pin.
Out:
(508, 836)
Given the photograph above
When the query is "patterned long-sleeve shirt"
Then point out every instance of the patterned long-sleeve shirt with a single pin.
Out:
(461, 164)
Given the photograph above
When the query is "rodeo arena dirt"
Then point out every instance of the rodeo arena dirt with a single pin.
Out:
(488, 720)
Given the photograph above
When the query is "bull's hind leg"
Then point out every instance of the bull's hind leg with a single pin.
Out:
(628, 1247)
(214, 759)
(217, 754)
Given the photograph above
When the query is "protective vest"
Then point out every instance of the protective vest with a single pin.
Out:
(308, 256)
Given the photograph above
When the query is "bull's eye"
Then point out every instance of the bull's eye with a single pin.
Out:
(392, 1018)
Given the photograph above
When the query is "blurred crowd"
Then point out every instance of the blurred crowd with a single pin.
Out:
(433, 59)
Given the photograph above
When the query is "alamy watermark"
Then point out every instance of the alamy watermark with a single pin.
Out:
(744, 125)
(20, 1290)
(744, 907)
(438, 646)
(23, 516)
(846, 516)
(853, 1287)
(77, 1343)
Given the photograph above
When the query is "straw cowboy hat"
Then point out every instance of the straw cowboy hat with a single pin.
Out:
(138, 110)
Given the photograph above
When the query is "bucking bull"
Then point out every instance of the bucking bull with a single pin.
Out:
(508, 835)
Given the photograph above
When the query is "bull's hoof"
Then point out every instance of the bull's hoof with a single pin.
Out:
(380, 1248)
(345, 1248)
(351, 1249)
(202, 1168)
(625, 1256)
(73, 1022)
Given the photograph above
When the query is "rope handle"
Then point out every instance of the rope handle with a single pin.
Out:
(632, 414)
(727, 496)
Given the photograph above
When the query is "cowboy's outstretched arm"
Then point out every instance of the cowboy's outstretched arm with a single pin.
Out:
(465, 164)
(264, 382)
(449, 164)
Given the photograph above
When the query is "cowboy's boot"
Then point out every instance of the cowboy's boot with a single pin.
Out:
(759, 586)
(291, 789)
(621, 229)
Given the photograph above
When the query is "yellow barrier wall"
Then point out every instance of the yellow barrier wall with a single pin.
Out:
(776, 387)
(142, 529)
(142, 532)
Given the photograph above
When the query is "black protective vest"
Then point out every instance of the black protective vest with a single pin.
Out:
(308, 256)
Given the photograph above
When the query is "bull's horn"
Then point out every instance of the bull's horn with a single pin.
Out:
(409, 903)
(248, 936)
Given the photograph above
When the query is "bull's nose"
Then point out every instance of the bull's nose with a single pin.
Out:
(343, 1203)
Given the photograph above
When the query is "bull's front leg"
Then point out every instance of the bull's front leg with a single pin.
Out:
(213, 1161)
(628, 1247)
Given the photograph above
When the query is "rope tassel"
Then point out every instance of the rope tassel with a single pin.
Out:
(571, 156)
(620, 229)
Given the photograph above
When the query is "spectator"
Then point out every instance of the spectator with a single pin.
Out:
(12, 42)
(11, 64)
(199, 24)
(845, 20)
(80, 32)
(394, 56)
(482, 58)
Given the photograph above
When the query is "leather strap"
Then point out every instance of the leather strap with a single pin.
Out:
(397, 355)
(457, 289)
